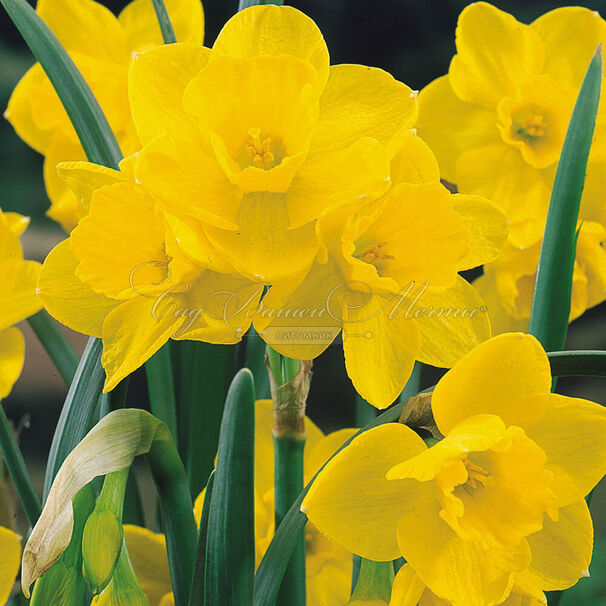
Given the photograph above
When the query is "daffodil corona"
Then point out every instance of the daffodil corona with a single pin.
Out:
(497, 122)
(496, 506)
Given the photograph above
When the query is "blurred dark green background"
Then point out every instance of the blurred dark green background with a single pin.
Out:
(414, 40)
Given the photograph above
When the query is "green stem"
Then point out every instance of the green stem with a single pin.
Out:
(288, 482)
(18, 470)
(160, 383)
(56, 345)
(246, 3)
(374, 581)
(365, 412)
(255, 362)
(588, 363)
(166, 27)
(177, 513)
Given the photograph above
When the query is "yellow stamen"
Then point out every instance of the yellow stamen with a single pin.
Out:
(374, 253)
(259, 150)
(476, 476)
(532, 126)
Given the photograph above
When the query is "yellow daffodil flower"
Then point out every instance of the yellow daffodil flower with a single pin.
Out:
(409, 590)
(387, 275)
(122, 277)
(103, 47)
(497, 122)
(497, 504)
(18, 298)
(245, 145)
(328, 566)
(10, 560)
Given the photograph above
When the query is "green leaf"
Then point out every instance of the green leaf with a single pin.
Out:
(78, 412)
(11, 453)
(553, 287)
(273, 565)
(160, 383)
(90, 123)
(206, 372)
(246, 3)
(56, 344)
(196, 597)
(231, 533)
(166, 27)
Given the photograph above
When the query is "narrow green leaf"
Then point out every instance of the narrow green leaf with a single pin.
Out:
(78, 413)
(196, 597)
(90, 123)
(160, 383)
(374, 582)
(583, 363)
(246, 3)
(11, 453)
(255, 361)
(231, 533)
(273, 565)
(207, 370)
(166, 27)
(553, 287)
(56, 344)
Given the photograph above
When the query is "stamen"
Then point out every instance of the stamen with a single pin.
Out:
(259, 150)
(532, 126)
(476, 476)
(374, 253)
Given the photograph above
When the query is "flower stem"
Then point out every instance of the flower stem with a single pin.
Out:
(289, 380)
(56, 345)
(166, 27)
(17, 469)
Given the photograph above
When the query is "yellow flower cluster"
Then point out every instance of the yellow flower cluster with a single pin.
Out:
(263, 166)
(497, 122)
(495, 509)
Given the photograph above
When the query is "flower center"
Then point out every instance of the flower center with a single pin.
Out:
(477, 477)
(375, 253)
(531, 126)
(259, 149)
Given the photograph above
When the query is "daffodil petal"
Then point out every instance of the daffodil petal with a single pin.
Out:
(319, 451)
(561, 552)
(19, 111)
(361, 101)
(360, 515)
(254, 32)
(524, 197)
(413, 161)
(463, 572)
(450, 126)
(380, 350)
(86, 27)
(570, 31)
(571, 432)
(325, 181)
(147, 553)
(489, 380)
(500, 320)
(140, 23)
(482, 73)
(451, 323)
(10, 560)
(303, 335)
(186, 178)
(67, 298)
(12, 356)
(487, 224)
(18, 298)
(16, 223)
(156, 82)
(264, 249)
(408, 589)
(84, 178)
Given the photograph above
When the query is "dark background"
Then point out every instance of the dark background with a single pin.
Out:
(413, 40)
